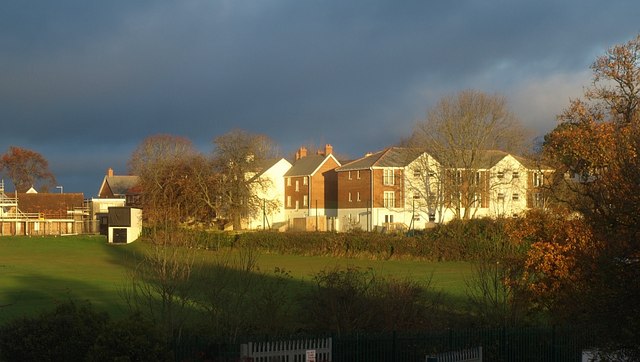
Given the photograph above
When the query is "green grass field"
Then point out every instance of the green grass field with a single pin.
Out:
(38, 272)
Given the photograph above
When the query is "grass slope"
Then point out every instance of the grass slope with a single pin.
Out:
(38, 272)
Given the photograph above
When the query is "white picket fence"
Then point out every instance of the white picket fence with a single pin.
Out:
(464, 355)
(287, 350)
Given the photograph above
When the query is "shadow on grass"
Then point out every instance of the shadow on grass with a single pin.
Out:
(224, 296)
(230, 297)
(35, 293)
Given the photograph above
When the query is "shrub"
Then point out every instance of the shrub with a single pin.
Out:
(349, 300)
(76, 332)
(458, 240)
(129, 339)
(64, 334)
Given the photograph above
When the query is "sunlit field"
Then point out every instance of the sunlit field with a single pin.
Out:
(36, 273)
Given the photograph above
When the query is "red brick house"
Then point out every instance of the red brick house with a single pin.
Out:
(121, 187)
(372, 190)
(311, 190)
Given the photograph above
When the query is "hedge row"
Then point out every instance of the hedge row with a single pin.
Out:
(461, 240)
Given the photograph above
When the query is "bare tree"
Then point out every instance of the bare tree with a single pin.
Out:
(161, 283)
(458, 132)
(238, 157)
(164, 164)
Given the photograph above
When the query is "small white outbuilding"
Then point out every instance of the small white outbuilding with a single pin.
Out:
(125, 224)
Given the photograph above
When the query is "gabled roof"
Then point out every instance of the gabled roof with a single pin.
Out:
(390, 157)
(120, 185)
(531, 164)
(486, 159)
(308, 165)
(266, 165)
(52, 205)
(489, 158)
(482, 159)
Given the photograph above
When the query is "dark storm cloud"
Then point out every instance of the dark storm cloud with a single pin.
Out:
(84, 82)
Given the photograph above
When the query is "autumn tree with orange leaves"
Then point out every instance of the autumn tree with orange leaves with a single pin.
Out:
(26, 168)
(595, 152)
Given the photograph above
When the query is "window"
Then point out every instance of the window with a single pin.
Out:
(501, 197)
(477, 199)
(305, 181)
(358, 174)
(387, 177)
(358, 196)
(389, 199)
(289, 201)
(416, 195)
(515, 175)
(349, 175)
(388, 219)
(297, 185)
(538, 200)
(476, 179)
(538, 179)
(305, 200)
(416, 173)
(515, 197)
(458, 177)
(432, 217)
(350, 197)
(288, 181)
(500, 174)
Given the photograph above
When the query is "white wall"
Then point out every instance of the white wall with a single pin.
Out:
(274, 193)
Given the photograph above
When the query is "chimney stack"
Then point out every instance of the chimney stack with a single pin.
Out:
(328, 149)
(110, 172)
(302, 152)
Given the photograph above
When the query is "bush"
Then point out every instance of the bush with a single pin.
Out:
(76, 332)
(352, 300)
(456, 241)
(66, 334)
(129, 339)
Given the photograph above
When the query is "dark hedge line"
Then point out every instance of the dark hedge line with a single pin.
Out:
(77, 332)
(456, 241)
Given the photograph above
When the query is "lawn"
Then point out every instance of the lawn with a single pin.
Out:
(38, 272)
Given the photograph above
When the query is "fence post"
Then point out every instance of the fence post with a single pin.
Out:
(553, 343)
(393, 347)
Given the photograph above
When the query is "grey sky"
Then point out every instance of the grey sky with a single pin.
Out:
(83, 82)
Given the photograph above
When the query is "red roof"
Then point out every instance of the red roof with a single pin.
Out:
(51, 205)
